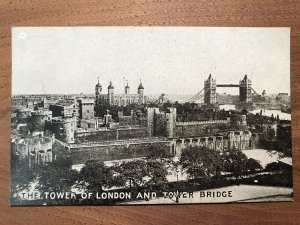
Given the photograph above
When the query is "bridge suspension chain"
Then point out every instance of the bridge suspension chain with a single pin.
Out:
(200, 96)
(254, 91)
(196, 96)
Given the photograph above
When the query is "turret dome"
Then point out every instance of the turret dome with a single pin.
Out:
(110, 85)
(141, 86)
(98, 84)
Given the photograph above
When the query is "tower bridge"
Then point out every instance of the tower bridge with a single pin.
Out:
(209, 92)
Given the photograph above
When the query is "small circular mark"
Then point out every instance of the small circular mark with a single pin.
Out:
(22, 35)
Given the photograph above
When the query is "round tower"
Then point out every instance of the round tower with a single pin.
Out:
(98, 90)
(141, 93)
(68, 127)
(127, 89)
(111, 94)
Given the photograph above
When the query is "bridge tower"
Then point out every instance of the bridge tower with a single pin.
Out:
(245, 90)
(210, 94)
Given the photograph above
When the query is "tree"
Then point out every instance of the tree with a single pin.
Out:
(200, 162)
(20, 178)
(159, 160)
(273, 166)
(56, 177)
(128, 108)
(102, 107)
(159, 153)
(235, 162)
(137, 174)
(157, 174)
(130, 174)
(95, 176)
(253, 165)
(165, 107)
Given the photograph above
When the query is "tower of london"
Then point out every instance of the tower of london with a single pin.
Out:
(119, 99)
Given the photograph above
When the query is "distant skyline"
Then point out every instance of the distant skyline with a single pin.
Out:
(171, 60)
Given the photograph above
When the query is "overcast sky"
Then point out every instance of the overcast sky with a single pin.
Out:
(171, 60)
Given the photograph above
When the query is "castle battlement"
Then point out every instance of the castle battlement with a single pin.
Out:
(201, 122)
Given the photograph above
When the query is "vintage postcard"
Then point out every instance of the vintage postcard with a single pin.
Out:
(150, 115)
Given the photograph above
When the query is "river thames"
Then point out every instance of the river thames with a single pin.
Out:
(265, 112)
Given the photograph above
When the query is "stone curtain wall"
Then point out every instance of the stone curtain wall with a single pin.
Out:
(110, 135)
(112, 152)
(192, 129)
(133, 133)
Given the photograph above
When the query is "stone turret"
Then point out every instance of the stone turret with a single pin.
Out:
(111, 94)
(98, 90)
(127, 89)
(141, 93)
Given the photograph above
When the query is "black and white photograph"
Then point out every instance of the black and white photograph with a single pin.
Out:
(150, 115)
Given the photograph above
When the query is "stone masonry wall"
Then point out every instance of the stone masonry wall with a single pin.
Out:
(110, 135)
(196, 129)
(109, 152)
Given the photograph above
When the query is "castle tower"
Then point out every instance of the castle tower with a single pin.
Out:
(98, 90)
(86, 108)
(151, 112)
(64, 129)
(68, 127)
(171, 122)
(245, 90)
(141, 93)
(111, 99)
(127, 89)
(210, 94)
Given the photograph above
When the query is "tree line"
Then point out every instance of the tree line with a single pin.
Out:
(149, 172)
